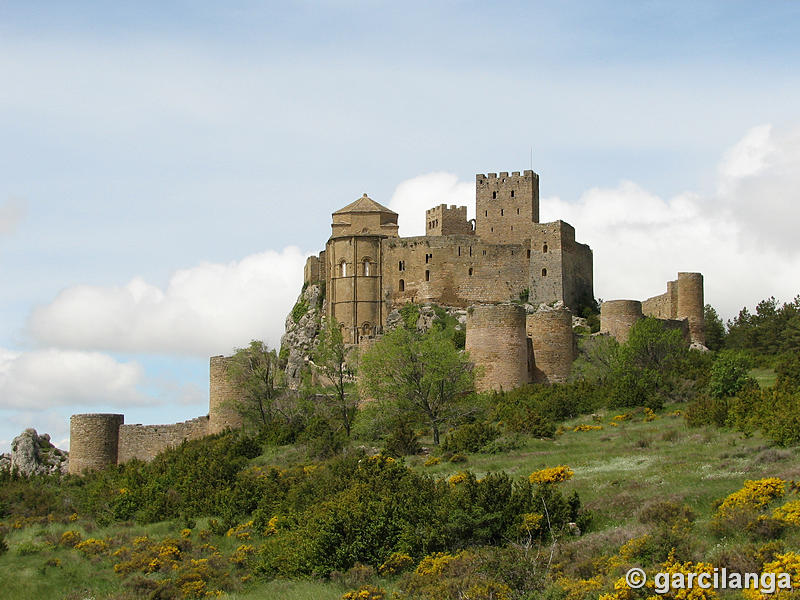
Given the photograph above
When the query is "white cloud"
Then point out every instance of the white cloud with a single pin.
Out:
(41, 379)
(204, 310)
(743, 239)
(414, 196)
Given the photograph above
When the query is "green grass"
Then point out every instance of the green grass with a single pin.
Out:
(765, 377)
(620, 469)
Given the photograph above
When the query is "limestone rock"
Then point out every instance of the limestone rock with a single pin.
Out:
(33, 454)
(300, 337)
(427, 316)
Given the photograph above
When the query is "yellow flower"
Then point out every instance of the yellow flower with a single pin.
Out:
(551, 475)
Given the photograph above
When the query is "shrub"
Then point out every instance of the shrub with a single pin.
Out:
(366, 592)
(402, 440)
(729, 374)
(551, 475)
(470, 437)
(396, 563)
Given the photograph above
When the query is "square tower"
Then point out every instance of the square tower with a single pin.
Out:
(441, 220)
(506, 206)
(560, 267)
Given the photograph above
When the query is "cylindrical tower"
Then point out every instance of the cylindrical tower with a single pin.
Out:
(553, 345)
(223, 397)
(93, 441)
(497, 343)
(618, 316)
(691, 303)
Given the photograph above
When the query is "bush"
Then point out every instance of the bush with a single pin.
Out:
(470, 437)
(729, 374)
(402, 440)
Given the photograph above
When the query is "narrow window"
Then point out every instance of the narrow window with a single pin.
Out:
(428, 258)
(470, 250)
(470, 271)
(512, 194)
(529, 252)
(486, 213)
(544, 272)
(402, 285)
(343, 268)
(366, 268)
(517, 211)
(427, 275)
(501, 212)
(484, 252)
(459, 250)
(491, 229)
(544, 248)
(512, 228)
(401, 266)
(494, 195)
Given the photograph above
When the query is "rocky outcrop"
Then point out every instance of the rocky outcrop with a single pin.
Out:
(302, 329)
(426, 317)
(34, 454)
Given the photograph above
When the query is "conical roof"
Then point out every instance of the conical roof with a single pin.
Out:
(365, 204)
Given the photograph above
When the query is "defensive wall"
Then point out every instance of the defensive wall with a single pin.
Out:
(98, 440)
(680, 307)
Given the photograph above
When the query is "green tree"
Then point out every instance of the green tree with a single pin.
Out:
(729, 374)
(331, 358)
(421, 374)
(715, 329)
(254, 370)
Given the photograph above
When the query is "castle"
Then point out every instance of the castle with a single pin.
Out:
(486, 266)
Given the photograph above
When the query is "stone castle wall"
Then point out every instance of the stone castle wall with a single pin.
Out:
(146, 441)
(452, 270)
(497, 344)
(553, 344)
(94, 441)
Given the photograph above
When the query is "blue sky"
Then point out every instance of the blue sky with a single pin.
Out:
(164, 167)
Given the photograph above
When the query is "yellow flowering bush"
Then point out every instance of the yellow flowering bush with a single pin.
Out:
(754, 495)
(530, 523)
(432, 461)
(489, 590)
(241, 531)
(789, 513)
(783, 563)
(186, 533)
(92, 546)
(649, 415)
(623, 417)
(587, 427)
(70, 539)
(239, 557)
(396, 563)
(578, 589)
(459, 477)
(436, 563)
(551, 475)
(366, 592)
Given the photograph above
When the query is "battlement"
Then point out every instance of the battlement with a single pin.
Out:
(504, 177)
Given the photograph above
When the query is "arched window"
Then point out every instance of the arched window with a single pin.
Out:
(366, 264)
(544, 272)
(366, 329)
(402, 286)
(544, 248)
(470, 271)
(343, 268)
(427, 275)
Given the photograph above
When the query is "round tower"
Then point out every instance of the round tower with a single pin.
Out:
(690, 305)
(497, 343)
(93, 441)
(553, 345)
(223, 397)
(618, 316)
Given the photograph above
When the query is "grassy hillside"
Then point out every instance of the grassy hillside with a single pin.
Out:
(620, 469)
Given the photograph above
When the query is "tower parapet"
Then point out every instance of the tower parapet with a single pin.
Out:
(444, 220)
(93, 441)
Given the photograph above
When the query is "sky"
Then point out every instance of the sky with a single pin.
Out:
(166, 167)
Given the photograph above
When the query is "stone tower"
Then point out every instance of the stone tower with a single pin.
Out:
(223, 397)
(506, 206)
(355, 267)
(553, 345)
(560, 268)
(93, 441)
(618, 316)
(497, 344)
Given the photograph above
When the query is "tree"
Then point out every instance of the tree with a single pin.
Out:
(715, 329)
(255, 372)
(422, 374)
(330, 357)
(730, 374)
